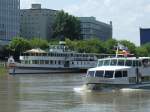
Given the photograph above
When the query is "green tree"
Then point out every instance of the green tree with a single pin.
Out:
(39, 43)
(93, 45)
(110, 45)
(19, 45)
(66, 25)
(147, 46)
(141, 51)
(131, 46)
(71, 44)
(5, 52)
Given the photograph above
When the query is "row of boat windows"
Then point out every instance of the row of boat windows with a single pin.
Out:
(107, 74)
(120, 62)
(57, 54)
(53, 62)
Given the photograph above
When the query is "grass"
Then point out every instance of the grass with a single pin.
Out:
(3, 71)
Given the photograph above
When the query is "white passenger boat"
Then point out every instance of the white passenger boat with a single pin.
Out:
(127, 72)
(58, 59)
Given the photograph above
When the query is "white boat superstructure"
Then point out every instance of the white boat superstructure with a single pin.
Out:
(119, 73)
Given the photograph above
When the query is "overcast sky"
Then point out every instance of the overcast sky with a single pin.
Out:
(127, 15)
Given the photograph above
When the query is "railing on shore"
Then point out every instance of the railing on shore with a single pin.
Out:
(3, 64)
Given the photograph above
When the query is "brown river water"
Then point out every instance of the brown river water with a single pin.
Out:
(65, 93)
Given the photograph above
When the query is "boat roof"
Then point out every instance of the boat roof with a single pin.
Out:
(109, 68)
(125, 58)
(38, 50)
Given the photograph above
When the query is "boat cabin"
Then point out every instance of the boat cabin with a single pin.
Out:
(109, 72)
(134, 62)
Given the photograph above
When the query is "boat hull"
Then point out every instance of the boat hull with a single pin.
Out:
(102, 86)
(40, 70)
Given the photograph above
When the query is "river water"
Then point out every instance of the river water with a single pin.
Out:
(65, 93)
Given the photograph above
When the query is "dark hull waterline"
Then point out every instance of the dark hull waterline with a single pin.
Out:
(118, 86)
(43, 70)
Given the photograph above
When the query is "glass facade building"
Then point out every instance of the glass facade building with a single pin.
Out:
(9, 19)
(90, 28)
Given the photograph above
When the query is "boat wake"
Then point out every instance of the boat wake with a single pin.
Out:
(81, 89)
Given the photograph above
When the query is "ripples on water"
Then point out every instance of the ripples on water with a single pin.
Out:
(66, 93)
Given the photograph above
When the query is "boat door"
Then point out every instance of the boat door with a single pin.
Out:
(138, 76)
(67, 64)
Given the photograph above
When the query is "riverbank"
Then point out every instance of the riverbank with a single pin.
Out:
(3, 71)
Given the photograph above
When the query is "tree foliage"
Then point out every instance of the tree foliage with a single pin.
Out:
(86, 46)
(109, 46)
(19, 45)
(147, 46)
(39, 43)
(141, 51)
(131, 46)
(66, 25)
(94, 45)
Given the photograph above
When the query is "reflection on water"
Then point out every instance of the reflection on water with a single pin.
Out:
(8, 94)
(64, 93)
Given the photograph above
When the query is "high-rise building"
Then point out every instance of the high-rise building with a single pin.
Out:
(90, 28)
(144, 35)
(37, 22)
(9, 20)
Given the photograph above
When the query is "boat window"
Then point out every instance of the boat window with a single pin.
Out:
(121, 62)
(124, 73)
(41, 61)
(100, 63)
(128, 63)
(140, 63)
(113, 62)
(51, 61)
(146, 62)
(99, 73)
(135, 63)
(106, 62)
(59, 62)
(118, 74)
(145, 79)
(46, 61)
(91, 73)
(26, 62)
(36, 61)
(132, 79)
(109, 74)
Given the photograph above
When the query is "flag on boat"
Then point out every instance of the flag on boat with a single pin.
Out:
(121, 49)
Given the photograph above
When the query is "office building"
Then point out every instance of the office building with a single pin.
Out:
(144, 35)
(9, 20)
(37, 22)
(90, 28)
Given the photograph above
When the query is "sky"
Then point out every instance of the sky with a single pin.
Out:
(127, 16)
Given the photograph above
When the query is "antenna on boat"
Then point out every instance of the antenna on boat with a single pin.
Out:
(117, 50)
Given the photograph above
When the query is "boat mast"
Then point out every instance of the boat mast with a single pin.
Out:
(117, 50)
